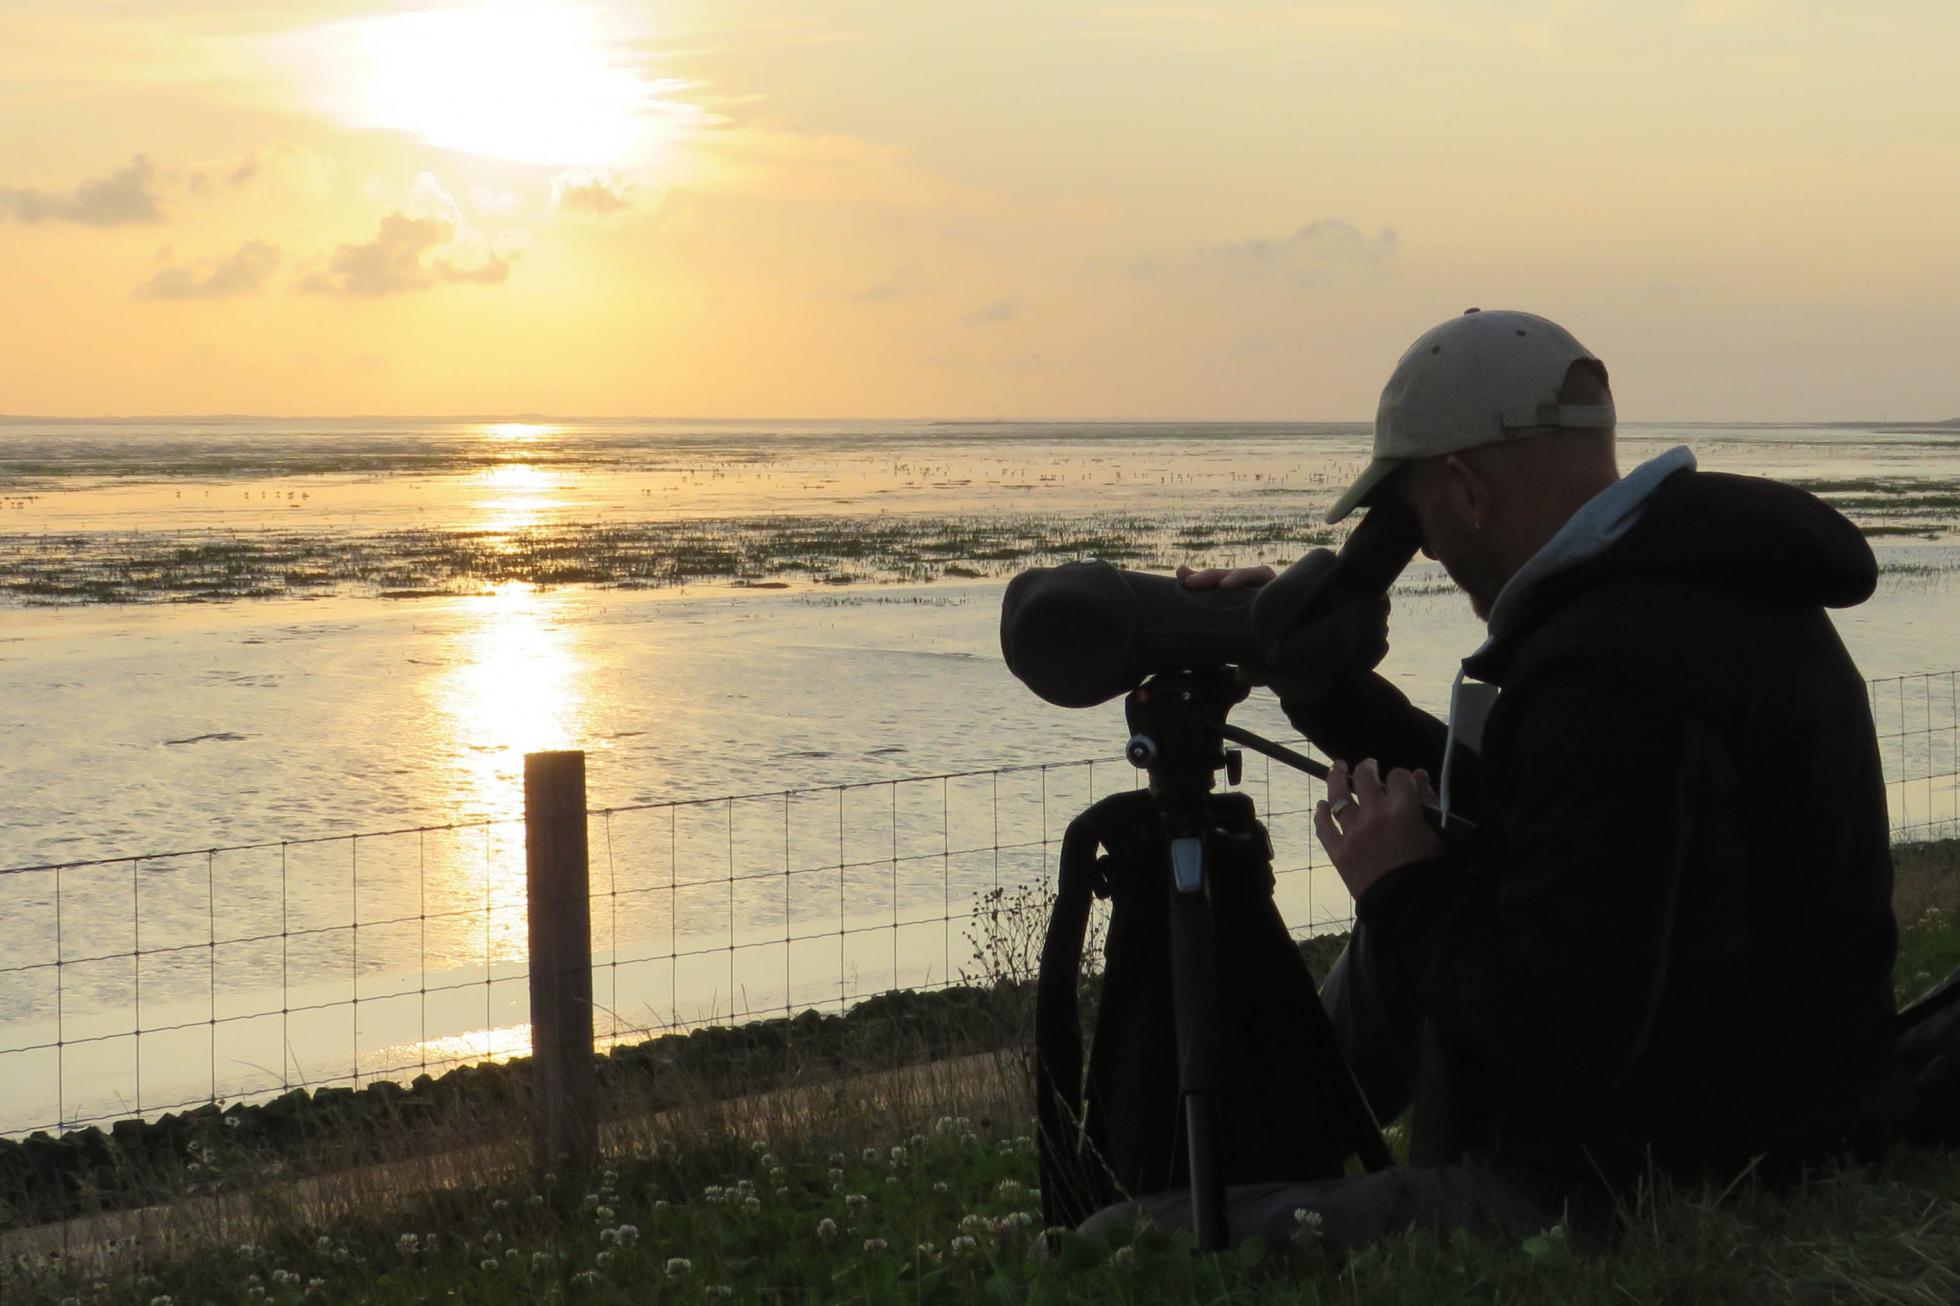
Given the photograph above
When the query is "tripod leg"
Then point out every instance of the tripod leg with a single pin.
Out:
(1194, 986)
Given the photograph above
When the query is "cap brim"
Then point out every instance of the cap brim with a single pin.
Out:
(1364, 485)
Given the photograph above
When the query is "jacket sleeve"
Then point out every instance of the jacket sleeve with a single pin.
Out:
(1550, 960)
(1365, 716)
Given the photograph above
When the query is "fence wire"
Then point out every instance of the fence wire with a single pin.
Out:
(164, 981)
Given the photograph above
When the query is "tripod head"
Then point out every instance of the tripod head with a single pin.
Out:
(1177, 725)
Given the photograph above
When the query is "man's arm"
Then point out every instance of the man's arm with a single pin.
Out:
(1552, 963)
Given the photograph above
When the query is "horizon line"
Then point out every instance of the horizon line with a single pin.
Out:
(544, 418)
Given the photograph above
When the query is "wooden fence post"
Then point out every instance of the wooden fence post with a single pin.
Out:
(564, 1113)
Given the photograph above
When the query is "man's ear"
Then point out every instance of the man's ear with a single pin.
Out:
(1469, 491)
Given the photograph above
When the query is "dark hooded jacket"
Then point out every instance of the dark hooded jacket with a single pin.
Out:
(1668, 947)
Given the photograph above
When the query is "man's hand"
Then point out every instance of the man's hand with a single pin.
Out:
(1224, 578)
(1369, 826)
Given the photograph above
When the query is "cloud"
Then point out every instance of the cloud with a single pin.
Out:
(238, 273)
(424, 242)
(127, 195)
(594, 193)
(899, 285)
(1000, 310)
(1326, 249)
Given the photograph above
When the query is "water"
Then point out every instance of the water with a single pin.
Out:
(149, 724)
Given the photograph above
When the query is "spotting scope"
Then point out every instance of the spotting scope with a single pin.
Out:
(1085, 632)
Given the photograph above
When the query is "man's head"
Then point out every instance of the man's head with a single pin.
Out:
(1493, 429)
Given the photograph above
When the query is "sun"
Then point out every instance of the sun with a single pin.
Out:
(532, 83)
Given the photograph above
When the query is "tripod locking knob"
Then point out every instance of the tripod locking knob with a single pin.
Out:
(1142, 751)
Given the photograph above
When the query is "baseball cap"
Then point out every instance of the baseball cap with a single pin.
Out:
(1481, 378)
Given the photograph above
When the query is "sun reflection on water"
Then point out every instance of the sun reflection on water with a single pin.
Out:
(519, 432)
(518, 682)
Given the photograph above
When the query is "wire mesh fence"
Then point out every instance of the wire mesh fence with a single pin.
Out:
(1917, 719)
(147, 984)
(172, 979)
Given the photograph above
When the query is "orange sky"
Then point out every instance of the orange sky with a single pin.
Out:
(1012, 208)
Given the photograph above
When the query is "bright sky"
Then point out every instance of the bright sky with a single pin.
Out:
(972, 208)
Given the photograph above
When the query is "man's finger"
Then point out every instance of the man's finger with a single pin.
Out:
(1424, 790)
(1340, 787)
(1368, 779)
(1244, 576)
(1330, 833)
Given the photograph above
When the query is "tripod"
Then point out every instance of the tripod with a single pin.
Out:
(1178, 727)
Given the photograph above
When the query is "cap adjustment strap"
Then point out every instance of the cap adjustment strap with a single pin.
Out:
(1524, 417)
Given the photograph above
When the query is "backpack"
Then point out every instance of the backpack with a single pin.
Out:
(1290, 1109)
(1929, 1049)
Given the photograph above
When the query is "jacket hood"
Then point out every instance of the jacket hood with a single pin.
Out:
(1710, 530)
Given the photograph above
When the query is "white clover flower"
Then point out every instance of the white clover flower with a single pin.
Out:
(769, 1161)
(492, 1238)
(603, 1259)
(628, 1234)
(964, 1243)
(254, 1292)
(836, 1176)
(975, 1224)
(408, 1244)
(1125, 1256)
(662, 1204)
(941, 1186)
(782, 1192)
(679, 1265)
(487, 1263)
(541, 1260)
(162, 1299)
(610, 1176)
(315, 1286)
(898, 1156)
(536, 1199)
(247, 1250)
(855, 1201)
(718, 1290)
(759, 1145)
(969, 1139)
(323, 1244)
(871, 1156)
(511, 1253)
(501, 1205)
(752, 1204)
(874, 1245)
(283, 1277)
(826, 1229)
(607, 1237)
(603, 1214)
(1021, 1220)
(1008, 1187)
(837, 1158)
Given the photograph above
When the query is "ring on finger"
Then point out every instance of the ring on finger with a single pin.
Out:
(1339, 805)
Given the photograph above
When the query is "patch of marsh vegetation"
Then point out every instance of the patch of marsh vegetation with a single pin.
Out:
(755, 552)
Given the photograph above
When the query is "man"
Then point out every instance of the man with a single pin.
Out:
(1666, 948)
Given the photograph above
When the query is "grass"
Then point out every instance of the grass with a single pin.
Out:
(138, 568)
(917, 1185)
